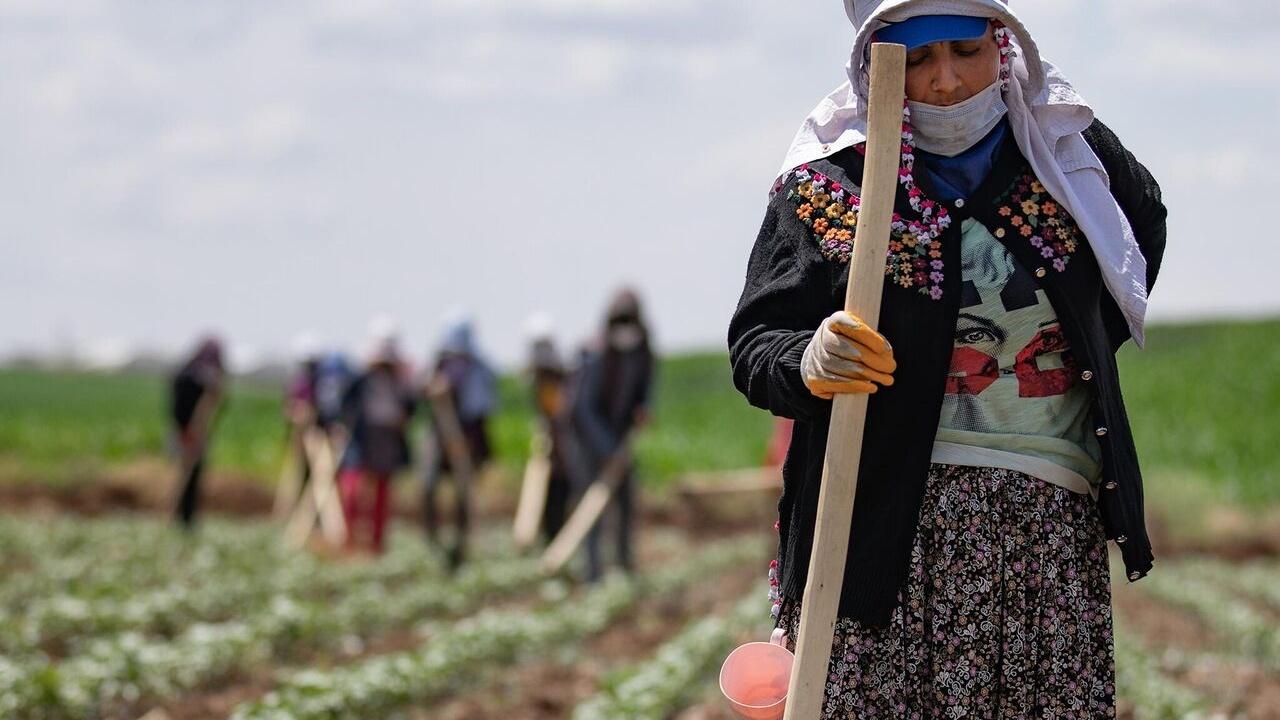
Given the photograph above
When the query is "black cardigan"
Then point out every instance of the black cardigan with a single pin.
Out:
(790, 287)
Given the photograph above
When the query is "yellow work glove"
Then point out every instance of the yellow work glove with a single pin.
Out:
(846, 356)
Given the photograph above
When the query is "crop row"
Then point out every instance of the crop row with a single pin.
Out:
(124, 668)
(1249, 631)
(1258, 579)
(114, 556)
(457, 653)
(122, 557)
(658, 687)
(1147, 688)
(237, 585)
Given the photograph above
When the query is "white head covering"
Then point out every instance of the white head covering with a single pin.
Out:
(1046, 116)
(383, 343)
(458, 338)
(539, 326)
(306, 346)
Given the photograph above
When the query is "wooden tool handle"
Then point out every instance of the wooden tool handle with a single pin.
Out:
(589, 509)
(456, 447)
(849, 411)
(533, 490)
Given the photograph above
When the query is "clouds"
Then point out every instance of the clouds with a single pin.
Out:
(490, 50)
(261, 167)
(1183, 47)
(1184, 84)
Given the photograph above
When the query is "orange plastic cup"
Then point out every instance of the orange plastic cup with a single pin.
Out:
(755, 678)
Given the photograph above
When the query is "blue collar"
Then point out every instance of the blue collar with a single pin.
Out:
(957, 177)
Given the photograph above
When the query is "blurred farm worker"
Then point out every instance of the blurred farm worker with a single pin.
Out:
(550, 378)
(333, 375)
(300, 399)
(611, 400)
(462, 393)
(997, 459)
(376, 410)
(196, 393)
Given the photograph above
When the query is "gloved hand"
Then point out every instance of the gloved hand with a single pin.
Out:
(846, 356)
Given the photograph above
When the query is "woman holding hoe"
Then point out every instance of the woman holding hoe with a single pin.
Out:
(997, 458)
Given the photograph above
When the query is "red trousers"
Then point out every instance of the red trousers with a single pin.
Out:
(349, 482)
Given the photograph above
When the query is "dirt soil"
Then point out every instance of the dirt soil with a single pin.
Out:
(630, 638)
(138, 487)
(550, 690)
(1231, 534)
(215, 702)
(147, 486)
(1236, 688)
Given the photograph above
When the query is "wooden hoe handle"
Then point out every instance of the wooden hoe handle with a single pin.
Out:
(849, 411)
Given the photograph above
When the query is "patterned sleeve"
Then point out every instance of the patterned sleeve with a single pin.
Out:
(786, 295)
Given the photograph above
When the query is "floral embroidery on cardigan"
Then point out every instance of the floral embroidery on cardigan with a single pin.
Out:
(915, 245)
(1027, 210)
(829, 209)
(1008, 52)
(914, 259)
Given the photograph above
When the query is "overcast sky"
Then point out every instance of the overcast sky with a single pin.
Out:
(264, 168)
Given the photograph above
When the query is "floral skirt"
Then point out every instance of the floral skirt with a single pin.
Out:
(1006, 612)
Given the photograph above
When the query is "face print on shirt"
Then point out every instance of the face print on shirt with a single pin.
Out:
(1010, 368)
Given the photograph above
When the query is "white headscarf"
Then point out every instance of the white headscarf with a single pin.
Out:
(1046, 116)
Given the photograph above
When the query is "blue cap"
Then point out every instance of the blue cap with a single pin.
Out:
(924, 29)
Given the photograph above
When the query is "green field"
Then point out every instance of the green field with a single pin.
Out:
(111, 617)
(1204, 400)
(63, 426)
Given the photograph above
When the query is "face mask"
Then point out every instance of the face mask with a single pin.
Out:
(625, 337)
(951, 130)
